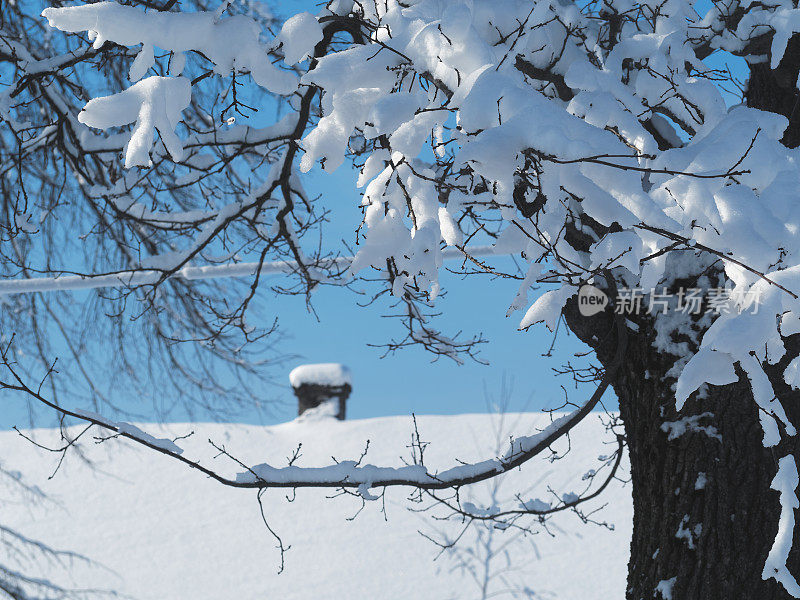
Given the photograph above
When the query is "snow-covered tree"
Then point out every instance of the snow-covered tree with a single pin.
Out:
(645, 149)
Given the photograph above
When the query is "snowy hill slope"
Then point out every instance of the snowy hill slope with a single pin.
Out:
(164, 532)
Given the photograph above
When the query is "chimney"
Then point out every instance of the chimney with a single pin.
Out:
(316, 384)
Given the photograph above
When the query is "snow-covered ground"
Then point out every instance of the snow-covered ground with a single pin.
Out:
(163, 532)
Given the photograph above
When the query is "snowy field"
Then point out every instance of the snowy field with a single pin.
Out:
(160, 531)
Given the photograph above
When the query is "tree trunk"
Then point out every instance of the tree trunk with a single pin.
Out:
(704, 512)
(705, 517)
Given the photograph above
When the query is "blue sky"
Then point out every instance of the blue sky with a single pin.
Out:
(407, 381)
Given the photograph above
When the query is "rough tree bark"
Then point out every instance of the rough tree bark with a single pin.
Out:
(704, 512)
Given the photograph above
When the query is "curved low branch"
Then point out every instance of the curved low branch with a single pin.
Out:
(351, 474)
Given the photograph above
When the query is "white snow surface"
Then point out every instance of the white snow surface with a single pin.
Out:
(332, 374)
(166, 532)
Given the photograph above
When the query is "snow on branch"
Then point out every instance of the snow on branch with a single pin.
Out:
(785, 483)
(153, 103)
(230, 43)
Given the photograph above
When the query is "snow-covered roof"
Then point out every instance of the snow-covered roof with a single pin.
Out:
(332, 374)
(166, 532)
